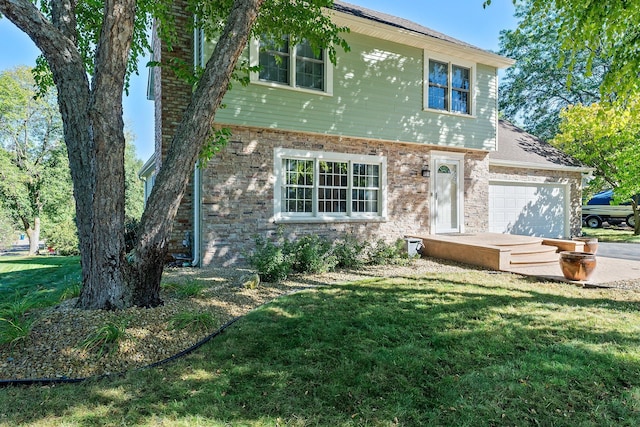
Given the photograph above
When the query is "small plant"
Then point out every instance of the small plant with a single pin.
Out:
(13, 330)
(270, 260)
(350, 253)
(190, 289)
(18, 307)
(312, 254)
(105, 339)
(383, 253)
(194, 321)
(72, 291)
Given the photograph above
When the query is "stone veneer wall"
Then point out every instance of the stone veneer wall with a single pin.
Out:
(573, 179)
(171, 97)
(237, 192)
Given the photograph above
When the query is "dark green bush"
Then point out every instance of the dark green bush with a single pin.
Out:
(270, 261)
(382, 253)
(350, 253)
(312, 254)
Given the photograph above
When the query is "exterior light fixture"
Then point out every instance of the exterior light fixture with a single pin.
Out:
(426, 173)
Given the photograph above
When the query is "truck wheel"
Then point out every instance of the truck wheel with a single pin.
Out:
(594, 222)
(631, 221)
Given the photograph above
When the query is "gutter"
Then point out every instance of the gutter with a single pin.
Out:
(195, 248)
(540, 166)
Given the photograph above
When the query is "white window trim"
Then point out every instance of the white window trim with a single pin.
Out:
(254, 61)
(284, 153)
(451, 61)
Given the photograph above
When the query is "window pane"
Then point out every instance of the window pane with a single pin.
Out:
(274, 60)
(309, 67)
(298, 189)
(438, 73)
(309, 74)
(366, 188)
(332, 192)
(304, 50)
(460, 101)
(438, 85)
(459, 77)
(272, 69)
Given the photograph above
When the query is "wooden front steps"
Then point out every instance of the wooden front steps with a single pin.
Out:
(496, 251)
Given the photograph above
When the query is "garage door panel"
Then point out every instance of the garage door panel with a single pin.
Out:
(527, 208)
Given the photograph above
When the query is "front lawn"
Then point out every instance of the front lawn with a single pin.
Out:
(460, 348)
(43, 279)
(611, 234)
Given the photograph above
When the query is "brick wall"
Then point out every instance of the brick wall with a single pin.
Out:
(171, 97)
(237, 195)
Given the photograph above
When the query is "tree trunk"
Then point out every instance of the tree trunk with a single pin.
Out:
(93, 130)
(34, 237)
(33, 234)
(193, 131)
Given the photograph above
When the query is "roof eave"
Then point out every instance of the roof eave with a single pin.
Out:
(543, 166)
(422, 41)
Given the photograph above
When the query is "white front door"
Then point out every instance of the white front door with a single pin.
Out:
(447, 193)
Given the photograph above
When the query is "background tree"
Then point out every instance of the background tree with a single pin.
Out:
(602, 29)
(536, 89)
(105, 39)
(32, 156)
(605, 136)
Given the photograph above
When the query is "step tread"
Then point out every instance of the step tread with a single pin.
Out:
(538, 258)
(533, 249)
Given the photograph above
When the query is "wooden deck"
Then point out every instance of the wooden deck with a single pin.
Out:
(502, 252)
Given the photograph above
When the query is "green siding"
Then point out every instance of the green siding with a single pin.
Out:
(377, 93)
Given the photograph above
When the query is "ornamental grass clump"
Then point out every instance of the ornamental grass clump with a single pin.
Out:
(105, 339)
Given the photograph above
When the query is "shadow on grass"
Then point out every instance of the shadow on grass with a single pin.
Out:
(42, 276)
(385, 352)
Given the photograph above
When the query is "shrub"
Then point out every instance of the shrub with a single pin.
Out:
(387, 253)
(311, 255)
(350, 253)
(270, 260)
(63, 237)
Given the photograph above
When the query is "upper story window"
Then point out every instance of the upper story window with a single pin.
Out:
(320, 186)
(295, 66)
(448, 86)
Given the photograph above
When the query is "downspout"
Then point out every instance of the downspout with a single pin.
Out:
(195, 248)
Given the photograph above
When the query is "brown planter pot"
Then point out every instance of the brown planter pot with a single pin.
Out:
(577, 266)
(590, 243)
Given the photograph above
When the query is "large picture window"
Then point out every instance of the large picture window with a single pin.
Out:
(329, 186)
(448, 86)
(286, 64)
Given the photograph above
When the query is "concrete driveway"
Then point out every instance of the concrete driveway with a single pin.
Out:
(619, 250)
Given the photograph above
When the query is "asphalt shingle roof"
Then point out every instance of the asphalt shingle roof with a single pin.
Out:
(514, 144)
(397, 22)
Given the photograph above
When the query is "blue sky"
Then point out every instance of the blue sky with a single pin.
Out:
(463, 19)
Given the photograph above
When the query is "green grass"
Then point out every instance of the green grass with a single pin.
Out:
(188, 289)
(32, 282)
(43, 278)
(195, 322)
(614, 235)
(105, 339)
(457, 349)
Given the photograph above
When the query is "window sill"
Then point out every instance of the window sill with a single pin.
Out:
(450, 113)
(326, 220)
(275, 85)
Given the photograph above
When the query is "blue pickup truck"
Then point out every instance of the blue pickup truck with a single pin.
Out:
(599, 210)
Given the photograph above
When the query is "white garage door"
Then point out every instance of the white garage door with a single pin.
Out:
(530, 209)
